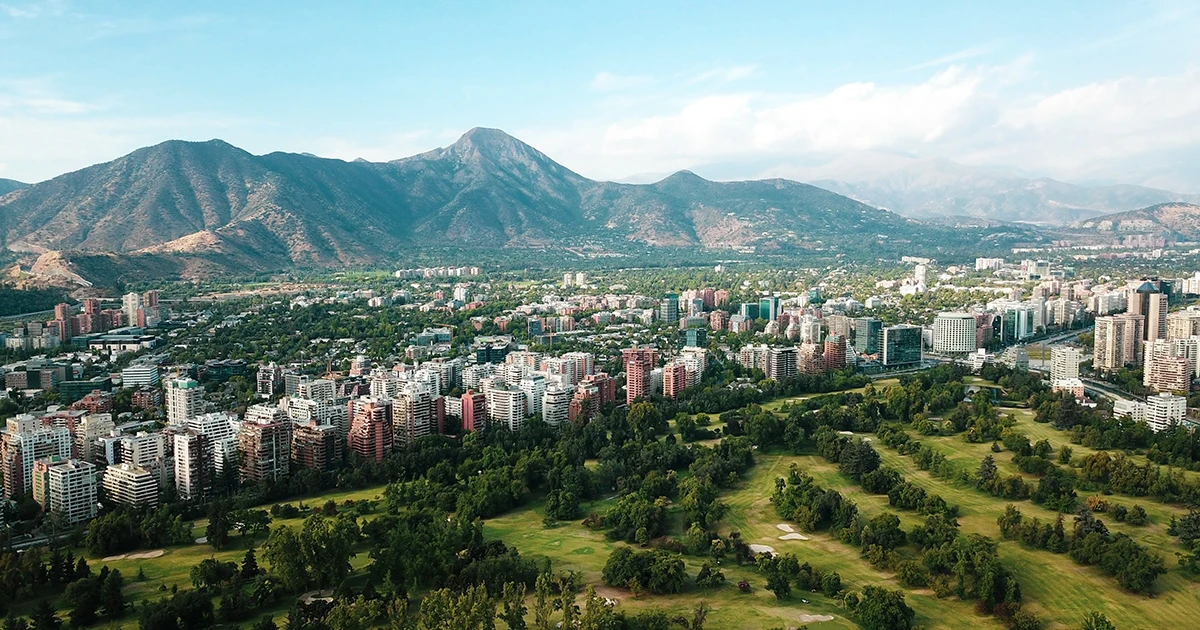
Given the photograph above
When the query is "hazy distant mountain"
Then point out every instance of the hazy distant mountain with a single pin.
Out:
(928, 187)
(9, 185)
(193, 208)
(1178, 220)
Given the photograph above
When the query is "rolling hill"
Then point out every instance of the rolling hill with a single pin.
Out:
(1176, 220)
(9, 185)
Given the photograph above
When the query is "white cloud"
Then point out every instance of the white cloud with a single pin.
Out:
(981, 115)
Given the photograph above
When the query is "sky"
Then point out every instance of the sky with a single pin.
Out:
(1087, 92)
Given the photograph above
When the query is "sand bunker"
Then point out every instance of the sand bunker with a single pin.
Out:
(784, 527)
(762, 549)
(201, 540)
(812, 618)
(793, 536)
(141, 555)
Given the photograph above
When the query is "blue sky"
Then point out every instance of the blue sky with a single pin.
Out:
(1093, 91)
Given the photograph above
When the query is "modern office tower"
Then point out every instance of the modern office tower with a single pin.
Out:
(415, 413)
(781, 363)
(140, 374)
(901, 345)
(1165, 410)
(1150, 303)
(810, 358)
(768, 308)
(695, 337)
(674, 379)
(183, 397)
(131, 485)
(27, 440)
(193, 465)
(534, 387)
(65, 486)
(835, 352)
(131, 306)
(668, 308)
(954, 333)
(1183, 324)
(867, 334)
(749, 311)
(1064, 363)
(556, 405)
(269, 381)
(1017, 322)
(317, 447)
(1119, 341)
(506, 407)
(1165, 371)
(638, 364)
(265, 444)
(371, 435)
(87, 431)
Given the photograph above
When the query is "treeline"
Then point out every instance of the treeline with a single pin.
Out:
(966, 566)
(1090, 543)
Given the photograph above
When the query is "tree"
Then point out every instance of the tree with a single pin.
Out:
(112, 599)
(250, 522)
(881, 609)
(1097, 621)
(217, 531)
(543, 605)
(513, 598)
(43, 617)
(266, 623)
(250, 565)
(13, 622)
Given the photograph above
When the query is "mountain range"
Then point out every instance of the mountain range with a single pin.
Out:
(934, 187)
(195, 208)
(9, 185)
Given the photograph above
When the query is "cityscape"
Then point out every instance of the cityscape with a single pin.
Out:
(763, 317)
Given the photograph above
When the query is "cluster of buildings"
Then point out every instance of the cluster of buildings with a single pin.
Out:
(1166, 345)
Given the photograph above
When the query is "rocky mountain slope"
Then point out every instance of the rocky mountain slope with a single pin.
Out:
(193, 207)
(1176, 220)
(9, 185)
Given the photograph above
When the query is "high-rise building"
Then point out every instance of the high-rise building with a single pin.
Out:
(140, 374)
(506, 407)
(131, 485)
(674, 379)
(954, 333)
(810, 358)
(534, 387)
(265, 444)
(269, 381)
(1119, 341)
(835, 352)
(474, 411)
(781, 363)
(27, 440)
(415, 413)
(556, 405)
(371, 435)
(65, 486)
(1164, 371)
(749, 311)
(87, 431)
(668, 308)
(695, 337)
(193, 465)
(867, 334)
(183, 398)
(1064, 363)
(638, 364)
(1150, 303)
(131, 305)
(901, 345)
(317, 447)
(1183, 324)
(1165, 410)
(768, 308)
